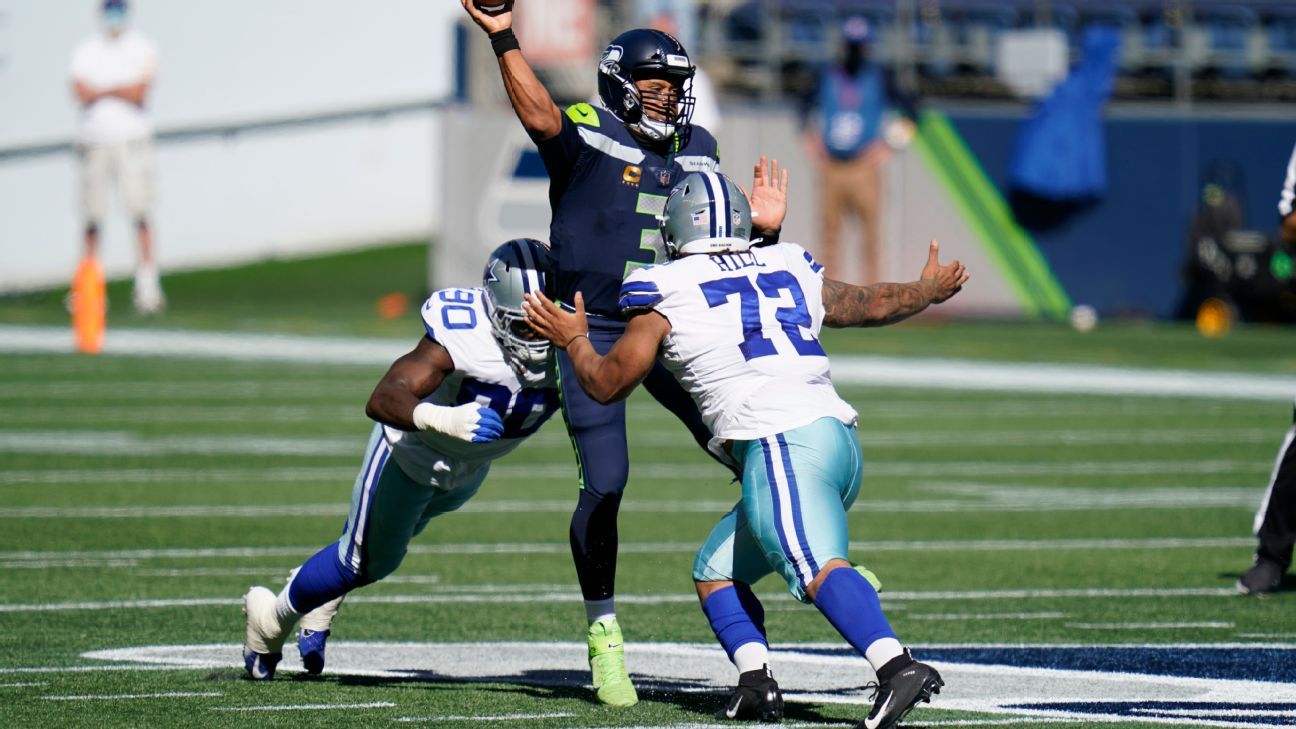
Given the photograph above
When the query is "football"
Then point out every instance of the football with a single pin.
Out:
(491, 8)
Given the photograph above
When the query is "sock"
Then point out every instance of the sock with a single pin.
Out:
(882, 651)
(594, 544)
(596, 610)
(851, 604)
(752, 656)
(322, 578)
(738, 620)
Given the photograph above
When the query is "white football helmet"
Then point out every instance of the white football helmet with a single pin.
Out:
(518, 267)
(706, 213)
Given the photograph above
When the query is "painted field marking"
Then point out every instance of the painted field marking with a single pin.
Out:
(501, 717)
(562, 548)
(988, 616)
(308, 707)
(1149, 626)
(114, 697)
(661, 471)
(926, 374)
(24, 684)
(82, 669)
(570, 595)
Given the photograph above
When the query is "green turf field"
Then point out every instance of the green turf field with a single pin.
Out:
(143, 495)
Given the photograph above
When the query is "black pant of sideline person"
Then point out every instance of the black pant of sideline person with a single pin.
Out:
(1275, 523)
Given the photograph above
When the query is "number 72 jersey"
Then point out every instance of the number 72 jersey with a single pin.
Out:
(744, 337)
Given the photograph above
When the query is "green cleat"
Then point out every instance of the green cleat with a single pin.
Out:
(607, 663)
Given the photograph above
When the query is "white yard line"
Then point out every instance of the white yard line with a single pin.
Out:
(562, 548)
(566, 472)
(501, 717)
(927, 374)
(1149, 626)
(1043, 501)
(116, 697)
(308, 707)
(573, 596)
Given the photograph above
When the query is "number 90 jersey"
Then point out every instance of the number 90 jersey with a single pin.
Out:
(457, 320)
(744, 337)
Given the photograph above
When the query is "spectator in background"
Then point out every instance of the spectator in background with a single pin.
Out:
(852, 145)
(1275, 521)
(111, 75)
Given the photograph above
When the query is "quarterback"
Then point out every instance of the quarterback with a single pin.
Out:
(473, 388)
(737, 324)
(610, 169)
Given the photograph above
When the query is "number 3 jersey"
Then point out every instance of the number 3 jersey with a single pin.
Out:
(744, 337)
(457, 320)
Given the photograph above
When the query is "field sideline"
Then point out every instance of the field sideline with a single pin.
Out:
(1065, 554)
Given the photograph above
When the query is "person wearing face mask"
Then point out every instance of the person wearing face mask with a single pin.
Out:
(851, 146)
(112, 72)
(610, 169)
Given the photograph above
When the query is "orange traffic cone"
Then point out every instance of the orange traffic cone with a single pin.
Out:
(89, 305)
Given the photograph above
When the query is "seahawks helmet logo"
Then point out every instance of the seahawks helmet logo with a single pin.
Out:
(611, 61)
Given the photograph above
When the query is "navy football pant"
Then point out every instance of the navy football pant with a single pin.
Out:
(598, 434)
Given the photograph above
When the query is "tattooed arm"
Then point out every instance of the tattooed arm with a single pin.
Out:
(846, 305)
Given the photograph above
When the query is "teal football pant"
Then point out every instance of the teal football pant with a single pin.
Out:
(796, 489)
(388, 508)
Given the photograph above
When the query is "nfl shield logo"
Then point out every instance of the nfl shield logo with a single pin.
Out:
(664, 177)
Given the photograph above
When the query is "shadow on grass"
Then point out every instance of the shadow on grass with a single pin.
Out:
(693, 697)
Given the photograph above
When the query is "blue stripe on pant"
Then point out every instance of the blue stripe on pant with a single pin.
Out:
(797, 487)
(388, 508)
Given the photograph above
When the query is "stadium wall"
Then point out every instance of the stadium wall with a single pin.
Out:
(1123, 254)
(285, 128)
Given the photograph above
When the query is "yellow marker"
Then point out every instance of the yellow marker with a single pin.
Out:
(89, 306)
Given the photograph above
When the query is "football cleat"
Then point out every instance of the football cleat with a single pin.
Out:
(902, 683)
(310, 644)
(1263, 578)
(607, 664)
(264, 639)
(757, 697)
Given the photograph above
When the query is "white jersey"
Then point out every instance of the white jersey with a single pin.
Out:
(744, 339)
(457, 320)
(104, 62)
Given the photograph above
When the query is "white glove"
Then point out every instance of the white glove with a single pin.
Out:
(472, 421)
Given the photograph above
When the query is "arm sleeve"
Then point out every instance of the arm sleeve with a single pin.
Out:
(1287, 198)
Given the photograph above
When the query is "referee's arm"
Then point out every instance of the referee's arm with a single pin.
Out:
(1287, 200)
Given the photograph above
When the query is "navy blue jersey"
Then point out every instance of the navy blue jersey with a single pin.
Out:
(606, 189)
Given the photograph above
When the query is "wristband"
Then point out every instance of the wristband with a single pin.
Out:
(578, 336)
(427, 416)
(503, 41)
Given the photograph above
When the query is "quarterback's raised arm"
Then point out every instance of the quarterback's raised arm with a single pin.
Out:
(846, 305)
(534, 107)
(397, 400)
(605, 378)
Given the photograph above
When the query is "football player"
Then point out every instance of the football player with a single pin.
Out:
(472, 389)
(738, 326)
(610, 170)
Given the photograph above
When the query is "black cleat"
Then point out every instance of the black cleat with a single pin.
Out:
(757, 697)
(1263, 578)
(902, 683)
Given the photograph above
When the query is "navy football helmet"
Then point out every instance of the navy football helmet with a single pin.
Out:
(518, 267)
(639, 54)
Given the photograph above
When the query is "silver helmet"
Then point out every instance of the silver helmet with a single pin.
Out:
(706, 213)
(518, 267)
